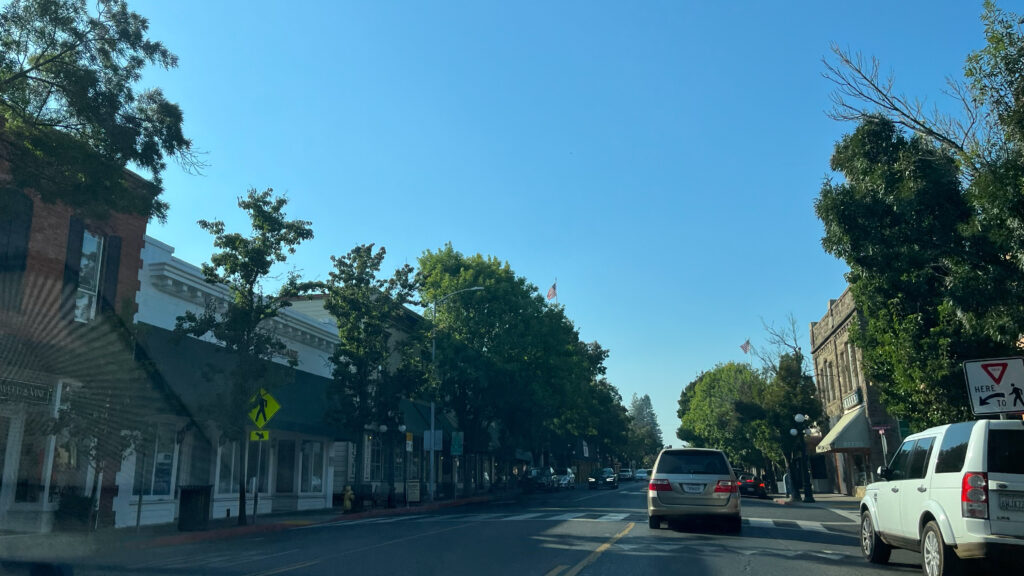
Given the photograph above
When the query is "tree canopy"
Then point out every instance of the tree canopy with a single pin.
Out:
(69, 111)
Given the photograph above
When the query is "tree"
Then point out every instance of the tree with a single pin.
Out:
(644, 432)
(242, 325)
(69, 110)
(371, 372)
(708, 410)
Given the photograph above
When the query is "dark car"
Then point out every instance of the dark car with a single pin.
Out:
(751, 485)
(540, 479)
(603, 478)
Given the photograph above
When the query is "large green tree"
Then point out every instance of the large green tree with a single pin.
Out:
(69, 110)
(930, 224)
(644, 432)
(243, 265)
(372, 360)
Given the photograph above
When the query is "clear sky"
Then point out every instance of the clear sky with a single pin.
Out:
(660, 159)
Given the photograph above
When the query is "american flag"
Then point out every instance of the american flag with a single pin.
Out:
(745, 346)
(553, 291)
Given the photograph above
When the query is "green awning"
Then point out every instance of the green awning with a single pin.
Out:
(850, 434)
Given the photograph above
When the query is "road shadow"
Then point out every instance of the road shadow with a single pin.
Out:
(717, 529)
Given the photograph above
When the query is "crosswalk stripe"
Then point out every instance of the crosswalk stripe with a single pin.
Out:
(528, 516)
(480, 517)
(568, 516)
(760, 522)
(613, 517)
(814, 526)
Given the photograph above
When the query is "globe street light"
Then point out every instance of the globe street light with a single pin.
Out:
(808, 495)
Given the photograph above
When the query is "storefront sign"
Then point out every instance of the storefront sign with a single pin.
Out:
(414, 491)
(14, 391)
(852, 400)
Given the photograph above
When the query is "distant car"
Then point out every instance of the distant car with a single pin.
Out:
(567, 480)
(751, 485)
(625, 474)
(604, 478)
(693, 483)
(540, 479)
(641, 474)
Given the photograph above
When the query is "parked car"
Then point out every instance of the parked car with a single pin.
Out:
(955, 493)
(625, 474)
(693, 483)
(540, 479)
(751, 485)
(641, 474)
(604, 478)
(567, 480)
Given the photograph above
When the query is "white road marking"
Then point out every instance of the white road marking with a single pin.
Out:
(569, 516)
(813, 526)
(525, 516)
(760, 522)
(613, 517)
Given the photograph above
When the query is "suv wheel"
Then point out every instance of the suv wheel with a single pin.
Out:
(937, 559)
(874, 550)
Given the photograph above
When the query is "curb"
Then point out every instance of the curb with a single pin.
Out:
(239, 531)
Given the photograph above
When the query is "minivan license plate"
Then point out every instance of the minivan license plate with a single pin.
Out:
(1011, 503)
(693, 488)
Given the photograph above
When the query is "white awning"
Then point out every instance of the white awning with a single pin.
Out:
(850, 434)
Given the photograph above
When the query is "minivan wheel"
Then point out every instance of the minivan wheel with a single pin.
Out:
(654, 522)
(937, 559)
(874, 550)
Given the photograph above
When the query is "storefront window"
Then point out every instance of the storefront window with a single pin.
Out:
(312, 466)
(70, 473)
(154, 464)
(89, 277)
(227, 480)
(30, 469)
(285, 467)
(258, 458)
(376, 466)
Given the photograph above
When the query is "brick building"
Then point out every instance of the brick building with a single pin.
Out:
(861, 432)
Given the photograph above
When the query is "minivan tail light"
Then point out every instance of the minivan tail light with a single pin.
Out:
(659, 485)
(727, 486)
(974, 495)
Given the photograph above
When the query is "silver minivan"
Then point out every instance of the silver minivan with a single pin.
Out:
(693, 483)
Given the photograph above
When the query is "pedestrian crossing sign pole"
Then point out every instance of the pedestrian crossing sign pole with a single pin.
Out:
(263, 406)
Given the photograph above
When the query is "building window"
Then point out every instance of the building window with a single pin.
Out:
(285, 467)
(376, 460)
(87, 295)
(257, 461)
(154, 464)
(15, 226)
(230, 470)
(312, 467)
(30, 469)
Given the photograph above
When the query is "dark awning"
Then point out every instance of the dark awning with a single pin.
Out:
(850, 434)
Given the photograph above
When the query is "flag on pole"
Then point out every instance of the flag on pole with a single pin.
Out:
(745, 346)
(553, 291)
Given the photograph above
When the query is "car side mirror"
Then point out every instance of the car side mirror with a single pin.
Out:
(884, 472)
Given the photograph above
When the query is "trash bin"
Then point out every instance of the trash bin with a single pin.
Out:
(194, 507)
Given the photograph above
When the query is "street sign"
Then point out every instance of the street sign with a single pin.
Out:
(457, 443)
(995, 385)
(259, 435)
(264, 406)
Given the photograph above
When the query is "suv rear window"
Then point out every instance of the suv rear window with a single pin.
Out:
(953, 450)
(692, 463)
(1006, 451)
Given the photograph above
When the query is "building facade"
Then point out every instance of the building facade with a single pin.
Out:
(861, 432)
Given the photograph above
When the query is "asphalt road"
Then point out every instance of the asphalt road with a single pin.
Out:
(569, 533)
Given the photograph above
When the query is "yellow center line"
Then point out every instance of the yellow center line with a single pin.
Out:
(600, 550)
(556, 570)
(285, 568)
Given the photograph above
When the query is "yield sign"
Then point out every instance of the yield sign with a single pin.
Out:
(995, 371)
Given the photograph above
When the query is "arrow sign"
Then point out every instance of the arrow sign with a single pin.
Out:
(995, 371)
(984, 400)
(259, 435)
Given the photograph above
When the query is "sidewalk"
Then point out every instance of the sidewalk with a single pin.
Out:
(64, 546)
(843, 505)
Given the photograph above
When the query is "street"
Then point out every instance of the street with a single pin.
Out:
(572, 532)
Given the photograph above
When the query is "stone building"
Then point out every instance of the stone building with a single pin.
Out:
(861, 432)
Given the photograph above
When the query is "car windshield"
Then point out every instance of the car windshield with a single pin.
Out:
(421, 287)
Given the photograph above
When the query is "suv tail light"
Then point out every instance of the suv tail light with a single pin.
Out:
(974, 495)
(659, 485)
(727, 486)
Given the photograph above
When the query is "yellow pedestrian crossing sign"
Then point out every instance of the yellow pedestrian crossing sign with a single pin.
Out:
(264, 406)
(259, 435)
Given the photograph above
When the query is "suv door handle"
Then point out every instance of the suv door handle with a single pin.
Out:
(922, 489)
(894, 489)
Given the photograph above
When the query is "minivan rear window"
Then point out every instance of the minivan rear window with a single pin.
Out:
(1006, 451)
(692, 463)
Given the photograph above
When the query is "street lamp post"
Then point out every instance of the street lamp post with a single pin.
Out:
(433, 362)
(405, 465)
(389, 460)
(808, 494)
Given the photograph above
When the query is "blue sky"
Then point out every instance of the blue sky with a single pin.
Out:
(660, 160)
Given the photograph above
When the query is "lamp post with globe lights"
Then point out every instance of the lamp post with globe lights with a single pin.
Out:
(808, 495)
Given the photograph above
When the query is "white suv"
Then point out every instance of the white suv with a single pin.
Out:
(954, 493)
